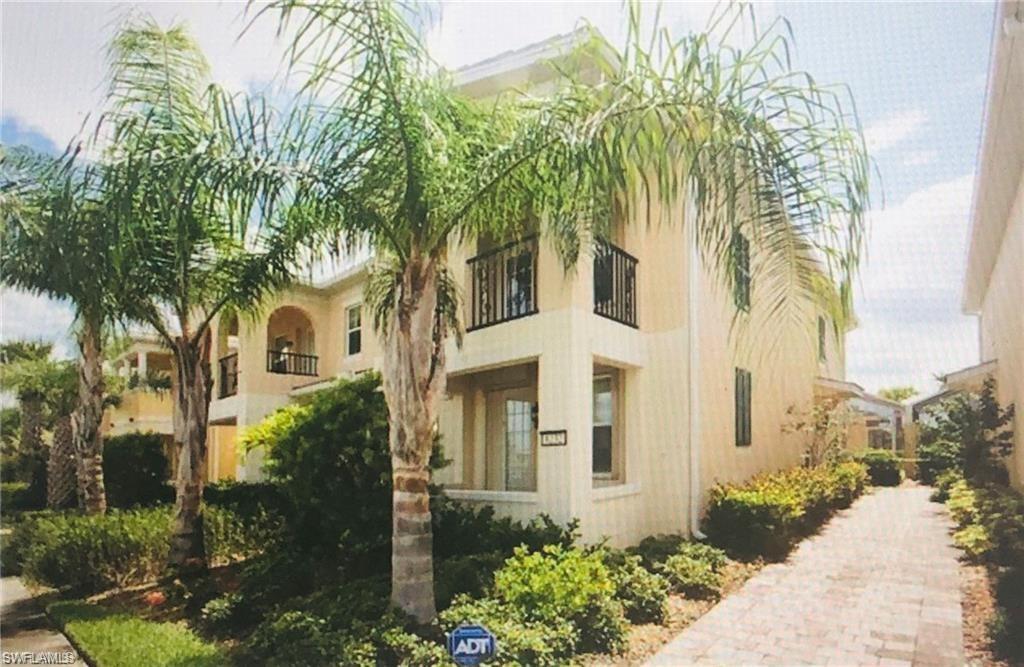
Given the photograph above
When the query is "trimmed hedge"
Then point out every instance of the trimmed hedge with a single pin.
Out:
(136, 471)
(883, 467)
(767, 515)
(91, 553)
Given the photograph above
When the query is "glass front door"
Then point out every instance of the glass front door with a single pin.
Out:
(519, 467)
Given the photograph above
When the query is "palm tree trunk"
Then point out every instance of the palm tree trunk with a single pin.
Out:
(61, 477)
(31, 442)
(192, 407)
(86, 419)
(414, 381)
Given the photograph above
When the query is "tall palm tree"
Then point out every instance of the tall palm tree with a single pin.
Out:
(185, 184)
(21, 366)
(385, 150)
(56, 242)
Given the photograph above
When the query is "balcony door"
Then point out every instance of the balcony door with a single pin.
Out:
(512, 440)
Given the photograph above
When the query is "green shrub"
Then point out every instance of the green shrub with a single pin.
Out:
(705, 553)
(230, 536)
(693, 578)
(1001, 512)
(767, 514)
(296, 638)
(246, 499)
(883, 467)
(124, 640)
(472, 575)
(521, 640)
(568, 584)
(460, 529)
(974, 540)
(16, 497)
(943, 483)
(90, 553)
(938, 457)
(643, 594)
(1007, 628)
(847, 481)
(136, 471)
(962, 504)
(655, 549)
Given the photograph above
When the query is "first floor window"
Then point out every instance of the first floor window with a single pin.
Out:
(743, 409)
(354, 328)
(604, 416)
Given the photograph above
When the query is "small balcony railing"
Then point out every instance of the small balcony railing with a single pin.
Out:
(504, 284)
(615, 284)
(227, 379)
(291, 363)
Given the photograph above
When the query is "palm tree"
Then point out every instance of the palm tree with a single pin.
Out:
(184, 183)
(385, 150)
(20, 366)
(56, 242)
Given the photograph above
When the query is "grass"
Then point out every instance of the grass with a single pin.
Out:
(110, 639)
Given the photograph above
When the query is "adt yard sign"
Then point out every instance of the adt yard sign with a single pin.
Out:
(471, 644)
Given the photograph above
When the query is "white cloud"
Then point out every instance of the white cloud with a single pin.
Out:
(911, 326)
(920, 158)
(25, 316)
(893, 129)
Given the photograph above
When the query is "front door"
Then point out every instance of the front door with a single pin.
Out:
(513, 442)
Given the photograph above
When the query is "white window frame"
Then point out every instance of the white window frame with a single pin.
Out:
(349, 329)
(615, 475)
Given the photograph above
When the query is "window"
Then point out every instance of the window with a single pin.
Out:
(821, 338)
(743, 382)
(741, 271)
(354, 327)
(604, 416)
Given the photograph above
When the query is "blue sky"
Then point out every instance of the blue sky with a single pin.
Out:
(917, 72)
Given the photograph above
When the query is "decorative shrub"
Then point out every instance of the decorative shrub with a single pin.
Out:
(943, 483)
(296, 638)
(16, 496)
(461, 529)
(693, 578)
(643, 594)
(559, 583)
(230, 536)
(1001, 512)
(247, 499)
(655, 549)
(522, 641)
(472, 575)
(1007, 629)
(136, 471)
(847, 482)
(767, 514)
(705, 553)
(962, 504)
(938, 457)
(90, 553)
(974, 540)
(883, 467)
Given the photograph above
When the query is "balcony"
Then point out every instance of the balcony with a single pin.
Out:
(504, 284)
(227, 378)
(615, 284)
(291, 363)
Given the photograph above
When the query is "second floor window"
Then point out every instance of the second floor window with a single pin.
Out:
(743, 408)
(354, 329)
(741, 271)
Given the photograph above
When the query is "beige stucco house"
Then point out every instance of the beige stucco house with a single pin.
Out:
(994, 279)
(617, 393)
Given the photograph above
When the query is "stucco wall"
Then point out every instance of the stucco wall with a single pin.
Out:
(1002, 325)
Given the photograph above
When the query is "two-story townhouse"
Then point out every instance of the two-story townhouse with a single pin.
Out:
(994, 279)
(616, 393)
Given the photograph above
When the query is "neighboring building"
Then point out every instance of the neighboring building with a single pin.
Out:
(616, 394)
(875, 422)
(994, 280)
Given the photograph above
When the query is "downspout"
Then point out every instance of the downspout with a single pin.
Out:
(692, 376)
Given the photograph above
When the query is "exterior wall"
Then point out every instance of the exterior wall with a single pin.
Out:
(1002, 325)
(140, 410)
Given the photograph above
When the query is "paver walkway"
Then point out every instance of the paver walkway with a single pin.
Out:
(879, 585)
(24, 628)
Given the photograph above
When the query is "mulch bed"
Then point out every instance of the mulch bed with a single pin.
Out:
(645, 640)
(978, 604)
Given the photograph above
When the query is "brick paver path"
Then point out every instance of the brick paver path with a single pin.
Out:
(24, 629)
(879, 585)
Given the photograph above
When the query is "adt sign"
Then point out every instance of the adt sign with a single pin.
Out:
(471, 644)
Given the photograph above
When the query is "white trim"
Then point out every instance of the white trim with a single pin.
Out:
(484, 495)
(611, 492)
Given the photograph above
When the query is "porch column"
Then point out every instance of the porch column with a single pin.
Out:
(143, 367)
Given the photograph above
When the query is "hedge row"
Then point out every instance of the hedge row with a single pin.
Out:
(768, 514)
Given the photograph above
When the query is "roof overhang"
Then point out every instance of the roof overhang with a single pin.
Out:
(970, 378)
(1000, 154)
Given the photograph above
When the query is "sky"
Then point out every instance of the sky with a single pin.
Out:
(916, 70)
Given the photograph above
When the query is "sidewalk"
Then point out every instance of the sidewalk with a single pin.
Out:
(24, 627)
(879, 585)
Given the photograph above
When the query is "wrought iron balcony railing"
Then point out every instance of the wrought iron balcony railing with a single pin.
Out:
(227, 379)
(615, 284)
(291, 363)
(503, 284)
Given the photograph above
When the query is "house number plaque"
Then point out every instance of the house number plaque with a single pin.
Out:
(553, 438)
